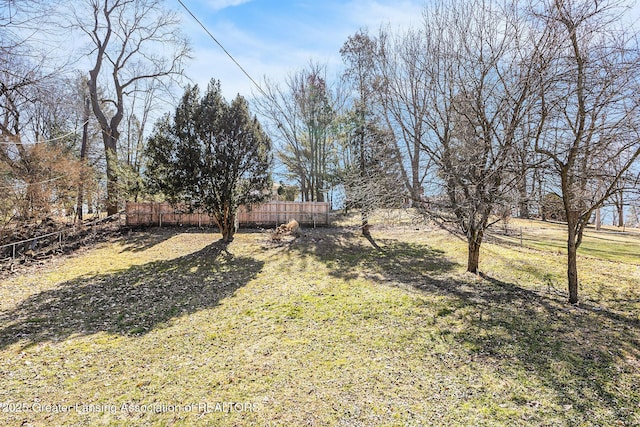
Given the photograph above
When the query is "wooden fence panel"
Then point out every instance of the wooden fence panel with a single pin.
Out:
(268, 214)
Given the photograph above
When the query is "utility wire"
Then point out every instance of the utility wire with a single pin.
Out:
(223, 49)
(10, 187)
(44, 140)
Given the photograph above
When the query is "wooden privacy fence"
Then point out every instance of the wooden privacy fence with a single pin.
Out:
(266, 215)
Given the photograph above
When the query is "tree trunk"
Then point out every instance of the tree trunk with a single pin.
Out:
(415, 173)
(363, 173)
(83, 155)
(572, 265)
(365, 223)
(227, 224)
(112, 180)
(110, 137)
(598, 220)
(474, 240)
(572, 273)
(523, 202)
(537, 193)
(90, 203)
(109, 131)
(620, 208)
(227, 233)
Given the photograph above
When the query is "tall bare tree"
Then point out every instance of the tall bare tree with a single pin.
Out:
(130, 41)
(403, 99)
(302, 116)
(589, 96)
(369, 172)
(458, 92)
(371, 175)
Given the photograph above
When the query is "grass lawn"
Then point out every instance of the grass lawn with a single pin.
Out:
(167, 327)
(609, 243)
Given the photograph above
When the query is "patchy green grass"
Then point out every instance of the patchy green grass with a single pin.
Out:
(609, 243)
(167, 328)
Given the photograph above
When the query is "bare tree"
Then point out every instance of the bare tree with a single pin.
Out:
(22, 82)
(404, 102)
(302, 116)
(131, 41)
(87, 146)
(589, 97)
(38, 112)
(371, 173)
(37, 131)
(138, 112)
(476, 85)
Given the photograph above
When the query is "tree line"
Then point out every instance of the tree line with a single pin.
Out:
(484, 109)
(72, 138)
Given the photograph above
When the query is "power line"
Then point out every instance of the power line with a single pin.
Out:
(44, 140)
(10, 187)
(223, 49)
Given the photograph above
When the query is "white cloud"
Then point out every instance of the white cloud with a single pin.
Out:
(372, 14)
(291, 46)
(223, 4)
(259, 56)
(270, 62)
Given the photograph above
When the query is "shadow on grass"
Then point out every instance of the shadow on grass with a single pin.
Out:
(142, 238)
(131, 302)
(588, 357)
(348, 254)
(138, 241)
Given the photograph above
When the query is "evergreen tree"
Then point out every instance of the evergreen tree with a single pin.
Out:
(210, 155)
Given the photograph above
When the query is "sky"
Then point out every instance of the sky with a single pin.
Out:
(275, 38)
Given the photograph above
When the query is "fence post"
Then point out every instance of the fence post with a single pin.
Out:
(327, 221)
(520, 236)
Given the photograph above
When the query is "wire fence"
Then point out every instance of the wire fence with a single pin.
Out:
(55, 241)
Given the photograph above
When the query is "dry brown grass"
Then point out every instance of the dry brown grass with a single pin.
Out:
(323, 330)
